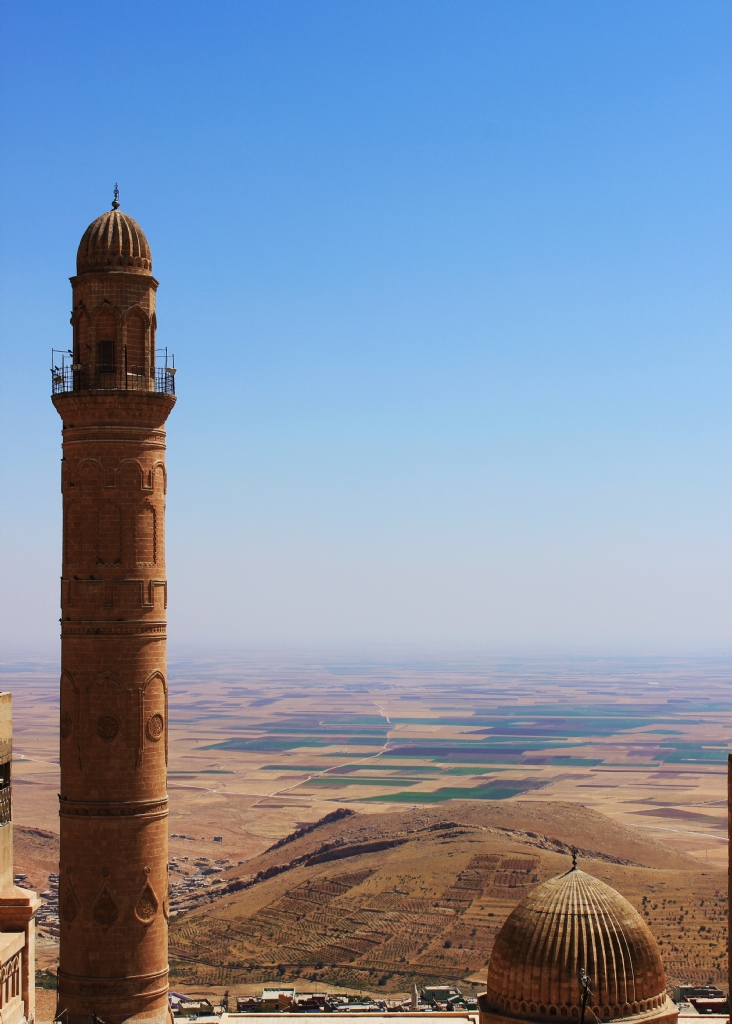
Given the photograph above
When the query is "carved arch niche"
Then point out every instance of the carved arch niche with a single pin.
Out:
(91, 476)
(154, 722)
(107, 720)
(69, 720)
(145, 535)
(129, 476)
(159, 480)
(128, 481)
(74, 533)
(109, 534)
(80, 520)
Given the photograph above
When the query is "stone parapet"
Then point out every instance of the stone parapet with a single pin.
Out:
(18, 909)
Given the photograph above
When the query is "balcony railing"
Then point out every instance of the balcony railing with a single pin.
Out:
(109, 378)
(5, 804)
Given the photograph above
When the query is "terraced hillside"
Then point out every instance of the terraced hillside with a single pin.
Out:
(375, 901)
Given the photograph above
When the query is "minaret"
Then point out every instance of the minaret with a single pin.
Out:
(113, 805)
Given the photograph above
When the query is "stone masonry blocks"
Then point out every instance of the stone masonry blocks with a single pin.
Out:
(113, 893)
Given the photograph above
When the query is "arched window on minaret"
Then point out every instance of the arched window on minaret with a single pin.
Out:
(136, 331)
(106, 330)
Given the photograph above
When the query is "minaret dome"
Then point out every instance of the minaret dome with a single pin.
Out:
(114, 242)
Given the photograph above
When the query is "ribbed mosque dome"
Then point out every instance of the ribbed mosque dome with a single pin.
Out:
(114, 241)
(570, 923)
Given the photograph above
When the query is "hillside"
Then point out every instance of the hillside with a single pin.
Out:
(36, 853)
(374, 901)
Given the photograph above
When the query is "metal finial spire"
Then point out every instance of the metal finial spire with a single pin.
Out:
(115, 201)
(574, 857)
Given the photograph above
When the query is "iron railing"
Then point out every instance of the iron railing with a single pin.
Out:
(5, 804)
(109, 378)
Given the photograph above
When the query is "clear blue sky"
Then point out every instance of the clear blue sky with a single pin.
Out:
(448, 287)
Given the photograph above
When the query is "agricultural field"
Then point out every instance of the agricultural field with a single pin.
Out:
(262, 746)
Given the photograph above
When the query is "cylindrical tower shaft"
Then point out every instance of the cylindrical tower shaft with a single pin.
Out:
(113, 893)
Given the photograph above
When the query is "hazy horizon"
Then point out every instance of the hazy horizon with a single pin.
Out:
(448, 290)
(21, 658)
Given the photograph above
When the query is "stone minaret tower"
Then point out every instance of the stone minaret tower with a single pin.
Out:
(113, 893)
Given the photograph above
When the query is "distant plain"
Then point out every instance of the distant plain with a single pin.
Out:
(261, 744)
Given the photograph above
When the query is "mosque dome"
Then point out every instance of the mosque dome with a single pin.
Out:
(114, 241)
(571, 923)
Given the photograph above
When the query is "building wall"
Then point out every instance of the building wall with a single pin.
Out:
(18, 907)
(6, 756)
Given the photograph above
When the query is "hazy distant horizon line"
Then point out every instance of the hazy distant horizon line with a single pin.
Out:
(385, 652)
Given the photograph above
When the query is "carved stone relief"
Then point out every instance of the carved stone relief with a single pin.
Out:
(70, 906)
(105, 911)
(107, 727)
(147, 905)
(155, 728)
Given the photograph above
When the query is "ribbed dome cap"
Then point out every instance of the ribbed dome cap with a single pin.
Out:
(114, 241)
(571, 922)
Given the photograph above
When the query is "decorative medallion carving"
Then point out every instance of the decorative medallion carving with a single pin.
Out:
(66, 725)
(105, 911)
(147, 905)
(70, 906)
(155, 727)
(107, 727)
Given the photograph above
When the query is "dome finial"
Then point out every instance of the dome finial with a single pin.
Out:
(115, 201)
(575, 851)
